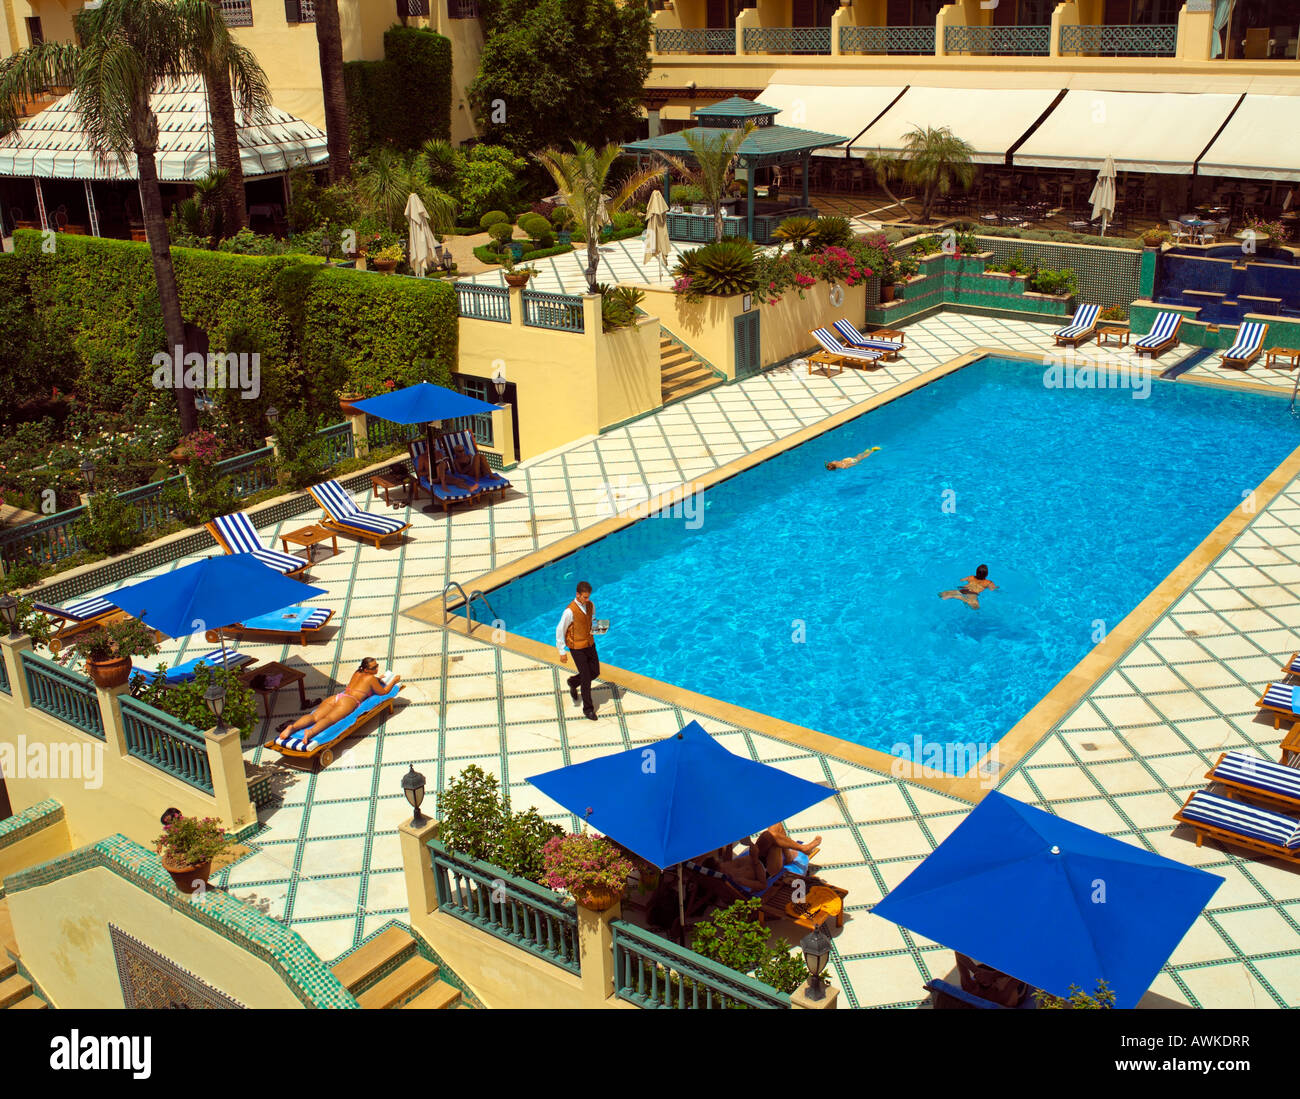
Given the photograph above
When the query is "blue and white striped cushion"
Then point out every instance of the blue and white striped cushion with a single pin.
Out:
(184, 672)
(1165, 326)
(341, 727)
(1082, 321)
(1243, 819)
(466, 441)
(849, 331)
(343, 510)
(831, 343)
(238, 532)
(1248, 340)
(281, 562)
(1279, 695)
(451, 492)
(79, 611)
(1248, 769)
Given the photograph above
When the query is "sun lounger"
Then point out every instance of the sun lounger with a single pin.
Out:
(183, 673)
(235, 533)
(847, 355)
(778, 894)
(1258, 779)
(1247, 346)
(452, 494)
(1243, 825)
(849, 333)
(343, 515)
(289, 624)
(322, 745)
(1081, 326)
(1163, 335)
(1280, 699)
(1291, 747)
(75, 618)
(1292, 666)
(969, 999)
(464, 440)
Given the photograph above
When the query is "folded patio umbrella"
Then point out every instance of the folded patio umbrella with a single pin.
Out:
(1103, 194)
(656, 230)
(1050, 902)
(422, 242)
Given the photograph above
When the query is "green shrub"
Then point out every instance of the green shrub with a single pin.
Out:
(831, 232)
(477, 821)
(184, 701)
(405, 99)
(303, 455)
(618, 305)
(111, 524)
(501, 232)
(1114, 313)
(532, 223)
(686, 193)
(489, 180)
(628, 219)
(1064, 281)
(493, 217)
(1060, 236)
(733, 937)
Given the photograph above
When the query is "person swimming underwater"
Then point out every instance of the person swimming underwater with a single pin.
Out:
(969, 594)
(845, 463)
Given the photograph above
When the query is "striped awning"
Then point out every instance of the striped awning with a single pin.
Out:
(53, 144)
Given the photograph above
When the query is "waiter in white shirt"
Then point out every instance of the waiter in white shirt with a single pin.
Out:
(575, 633)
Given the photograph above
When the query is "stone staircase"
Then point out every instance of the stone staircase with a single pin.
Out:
(681, 373)
(389, 972)
(16, 992)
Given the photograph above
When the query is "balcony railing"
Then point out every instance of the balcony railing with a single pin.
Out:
(653, 973)
(695, 40)
(1022, 41)
(481, 302)
(562, 312)
(336, 443)
(63, 694)
(161, 740)
(237, 13)
(787, 40)
(918, 40)
(250, 473)
(463, 9)
(1158, 40)
(407, 8)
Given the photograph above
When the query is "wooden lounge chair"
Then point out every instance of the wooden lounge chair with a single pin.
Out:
(1242, 825)
(1257, 779)
(235, 533)
(322, 745)
(75, 618)
(184, 672)
(860, 341)
(777, 896)
(1291, 747)
(433, 487)
(1247, 346)
(343, 515)
(1081, 326)
(299, 624)
(1163, 335)
(849, 356)
(451, 441)
(1278, 699)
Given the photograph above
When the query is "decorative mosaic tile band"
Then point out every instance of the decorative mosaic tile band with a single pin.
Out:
(29, 821)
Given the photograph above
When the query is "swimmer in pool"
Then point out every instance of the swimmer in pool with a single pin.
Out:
(972, 586)
(845, 463)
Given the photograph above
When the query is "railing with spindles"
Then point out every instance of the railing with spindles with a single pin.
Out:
(63, 694)
(170, 745)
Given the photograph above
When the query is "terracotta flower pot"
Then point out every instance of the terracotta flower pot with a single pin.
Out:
(345, 402)
(385, 266)
(188, 879)
(598, 899)
(109, 673)
(887, 292)
(516, 280)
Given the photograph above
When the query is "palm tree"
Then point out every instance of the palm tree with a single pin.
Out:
(128, 50)
(582, 178)
(714, 154)
(329, 44)
(385, 182)
(887, 170)
(935, 159)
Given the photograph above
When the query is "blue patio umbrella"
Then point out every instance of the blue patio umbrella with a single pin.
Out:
(679, 797)
(423, 403)
(1050, 902)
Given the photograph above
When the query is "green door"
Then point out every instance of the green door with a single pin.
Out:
(748, 355)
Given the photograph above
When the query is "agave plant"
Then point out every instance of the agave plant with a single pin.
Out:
(724, 268)
(796, 231)
(831, 232)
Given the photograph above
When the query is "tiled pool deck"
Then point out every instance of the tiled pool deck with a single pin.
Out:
(1122, 761)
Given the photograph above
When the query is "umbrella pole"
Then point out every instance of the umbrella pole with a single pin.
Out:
(432, 506)
(681, 903)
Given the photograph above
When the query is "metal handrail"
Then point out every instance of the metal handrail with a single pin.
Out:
(478, 594)
(468, 602)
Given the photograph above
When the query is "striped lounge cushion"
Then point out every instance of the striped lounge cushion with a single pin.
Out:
(850, 334)
(342, 727)
(1165, 327)
(1248, 769)
(240, 535)
(1248, 340)
(183, 672)
(451, 492)
(830, 342)
(1279, 695)
(289, 620)
(1244, 820)
(1082, 321)
(344, 511)
(465, 440)
(79, 611)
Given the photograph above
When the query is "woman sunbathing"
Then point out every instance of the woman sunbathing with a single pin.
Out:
(777, 849)
(445, 474)
(465, 463)
(365, 682)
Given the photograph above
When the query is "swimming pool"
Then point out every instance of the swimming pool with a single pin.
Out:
(812, 595)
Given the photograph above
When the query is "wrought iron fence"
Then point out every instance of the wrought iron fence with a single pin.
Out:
(63, 694)
(170, 745)
(1131, 40)
(385, 433)
(511, 909)
(699, 40)
(919, 40)
(250, 473)
(152, 501)
(482, 302)
(787, 40)
(237, 13)
(1016, 40)
(44, 541)
(338, 443)
(653, 973)
(562, 312)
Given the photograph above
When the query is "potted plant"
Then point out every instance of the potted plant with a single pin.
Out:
(563, 220)
(387, 258)
(888, 279)
(518, 276)
(187, 847)
(346, 396)
(108, 650)
(588, 867)
(1154, 237)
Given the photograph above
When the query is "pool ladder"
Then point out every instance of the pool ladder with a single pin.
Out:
(468, 602)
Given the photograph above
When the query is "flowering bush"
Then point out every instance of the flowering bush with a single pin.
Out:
(840, 265)
(202, 446)
(1274, 230)
(582, 861)
(191, 841)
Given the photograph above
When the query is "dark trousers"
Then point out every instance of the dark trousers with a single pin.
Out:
(587, 664)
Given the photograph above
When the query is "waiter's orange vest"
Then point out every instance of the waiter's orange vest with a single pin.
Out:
(578, 635)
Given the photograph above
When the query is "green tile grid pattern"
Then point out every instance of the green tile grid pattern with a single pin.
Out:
(1106, 275)
(243, 926)
(29, 821)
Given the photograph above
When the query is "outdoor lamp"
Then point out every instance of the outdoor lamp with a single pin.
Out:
(9, 608)
(413, 788)
(215, 697)
(88, 474)
(816, 947)
(272, 415)
(499, 384)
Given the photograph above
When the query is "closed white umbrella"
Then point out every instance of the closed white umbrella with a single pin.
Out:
(656, 231)
(422, 240)
(1103, 194)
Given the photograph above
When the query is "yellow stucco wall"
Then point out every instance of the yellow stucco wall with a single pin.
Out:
(41, 846)
(627, 372)
(466, 37)
(62, 934)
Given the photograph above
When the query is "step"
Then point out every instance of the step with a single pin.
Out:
(403, 984)
(359, 966)
(674, 355)
(14, 989)
(8, 967)
(676, 394)
(692, 369)
(436, 997)
(30, 1003)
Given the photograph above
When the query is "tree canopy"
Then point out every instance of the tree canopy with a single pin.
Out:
(553, 71)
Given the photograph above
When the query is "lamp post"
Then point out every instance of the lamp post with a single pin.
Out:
(413, 788)
(816, 947)
(215, 698)
(272, 415)
(9, 609)
(88, 474)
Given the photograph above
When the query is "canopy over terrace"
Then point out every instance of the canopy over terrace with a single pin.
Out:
(1260, 141)
(53, 145)
(769, 144)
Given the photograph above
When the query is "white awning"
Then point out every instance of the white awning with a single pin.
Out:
(990, 121)
(53, 145)
(829, 109)
(1262, 141)
(1144, 131)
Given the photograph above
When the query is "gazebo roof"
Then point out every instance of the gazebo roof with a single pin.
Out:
(735, 107)
(53, 144)
(767, 144)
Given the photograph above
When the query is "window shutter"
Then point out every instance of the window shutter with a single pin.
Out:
(291, 14)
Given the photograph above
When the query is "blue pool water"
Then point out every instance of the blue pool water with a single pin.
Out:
(1079, 501)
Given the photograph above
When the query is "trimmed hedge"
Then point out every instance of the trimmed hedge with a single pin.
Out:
(405, 99)
(484, 254)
